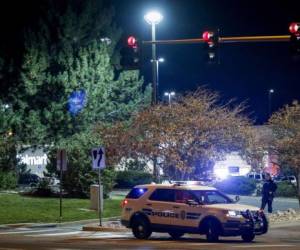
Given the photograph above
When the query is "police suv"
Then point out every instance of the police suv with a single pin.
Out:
(178, 209)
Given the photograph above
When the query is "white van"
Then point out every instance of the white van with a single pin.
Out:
(256, 176)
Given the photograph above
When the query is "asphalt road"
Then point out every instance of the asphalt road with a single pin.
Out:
(68, 238)
(278, 204)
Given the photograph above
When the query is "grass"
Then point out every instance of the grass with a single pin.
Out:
(15, 208)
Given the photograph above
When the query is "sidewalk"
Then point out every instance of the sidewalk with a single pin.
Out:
(62, 224)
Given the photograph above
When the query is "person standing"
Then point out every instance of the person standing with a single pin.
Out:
(268, 191)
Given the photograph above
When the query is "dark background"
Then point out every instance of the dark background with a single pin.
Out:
(246, 71)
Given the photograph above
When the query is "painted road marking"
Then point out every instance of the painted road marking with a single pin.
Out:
(256, 246)
(103, 236)
(7, 248)
(29, 231)
(54, 234)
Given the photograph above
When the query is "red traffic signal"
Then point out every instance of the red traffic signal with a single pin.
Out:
(294, 28)
(207, 35)
(132, 42)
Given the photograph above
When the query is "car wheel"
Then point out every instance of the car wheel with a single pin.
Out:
(176, 235)
(248, 237)
(141, 228)
(212, 231)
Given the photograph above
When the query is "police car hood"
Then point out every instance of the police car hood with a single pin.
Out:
(233, 206)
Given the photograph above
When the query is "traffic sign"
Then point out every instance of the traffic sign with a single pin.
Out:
(98, 156)
(61, 160)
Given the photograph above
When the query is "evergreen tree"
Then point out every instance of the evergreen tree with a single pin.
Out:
(73, 50)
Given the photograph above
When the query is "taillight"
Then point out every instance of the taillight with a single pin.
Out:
(124, 203)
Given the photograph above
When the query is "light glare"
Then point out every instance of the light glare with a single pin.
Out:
(221, 173)
(153, 17)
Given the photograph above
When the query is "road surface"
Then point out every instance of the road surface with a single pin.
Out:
(278, 204)
(67, 238)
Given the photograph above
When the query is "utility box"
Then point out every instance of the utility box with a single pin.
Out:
(94, 196)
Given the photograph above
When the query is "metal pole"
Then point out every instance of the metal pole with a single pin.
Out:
(157, 79)
(99, 193)
(233, 39)
(154, 86)
(60, 185)
(270, 104)
(169, 98)
(154, 68)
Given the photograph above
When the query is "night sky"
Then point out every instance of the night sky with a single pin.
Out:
(246, 71)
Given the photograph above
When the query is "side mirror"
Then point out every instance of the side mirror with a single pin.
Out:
(237, 198)
(192, 202)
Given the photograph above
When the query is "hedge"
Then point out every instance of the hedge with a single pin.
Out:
(238, 185)
(131, 178)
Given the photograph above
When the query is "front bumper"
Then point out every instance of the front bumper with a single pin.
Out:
(254, 222)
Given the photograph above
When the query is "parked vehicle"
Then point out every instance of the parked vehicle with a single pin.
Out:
(256, 176)
(292, 179)
(29, 180)
(184, 208)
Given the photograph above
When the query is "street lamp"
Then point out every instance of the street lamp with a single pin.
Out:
(154, 18)
(271, 91)
(170, 95)
(157, 62)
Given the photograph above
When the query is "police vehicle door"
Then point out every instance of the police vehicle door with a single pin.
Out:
(189, 214)
(159, 206)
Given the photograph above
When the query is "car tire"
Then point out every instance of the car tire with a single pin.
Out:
(175, 235)
(248, 237)
(141, 228)
(212, 231)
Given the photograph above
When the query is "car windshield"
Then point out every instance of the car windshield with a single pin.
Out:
(212, 197)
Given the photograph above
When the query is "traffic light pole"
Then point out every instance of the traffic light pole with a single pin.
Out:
(232, 39)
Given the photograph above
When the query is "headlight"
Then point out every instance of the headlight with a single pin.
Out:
(234, 214)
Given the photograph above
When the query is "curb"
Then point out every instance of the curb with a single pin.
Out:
(96, 228)
(90, 221)
(57, 224)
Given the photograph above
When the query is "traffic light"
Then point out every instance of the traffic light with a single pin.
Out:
(211, 46)
(294, 28)
(295, 38)
(130, 54)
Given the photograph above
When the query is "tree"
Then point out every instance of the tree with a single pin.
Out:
(286, 144)
(73, 51)
(7, 142)
(71, 57)
(185, 138)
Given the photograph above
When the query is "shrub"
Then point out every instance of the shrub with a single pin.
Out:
(237, 185)
(43, 188)
(131, 178)
(8, 180)
(79, 175)
(286, 189)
